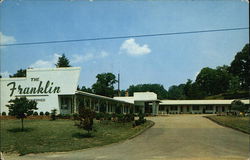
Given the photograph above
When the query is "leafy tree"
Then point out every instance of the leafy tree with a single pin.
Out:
(86, 119)
(105, 84)
(193, 91)
(234, 84)
(240, 67)
(63, 61)
(239, 106)
(176, 92)
(213, 81)
(85, 89)
(19, 73)
(156, 88)
(21, 108)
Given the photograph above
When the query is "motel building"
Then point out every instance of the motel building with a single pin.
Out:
(56, 88)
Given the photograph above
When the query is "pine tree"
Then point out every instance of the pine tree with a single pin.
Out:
(63, 61)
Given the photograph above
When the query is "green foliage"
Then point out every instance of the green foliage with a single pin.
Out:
(213, 81)
(105, 84)
(240, 67)
(47, 113)
(176, 92)
(63, 61)
(193, 91)
(237, 105)
(140, 121)
(85, 89)
(21, 107)
(4, 114)
(53, 114)
(35, 114)
(19, 73)
(86, 119)
(156, 88)
(63, 116)
(41, 113)
(99, 116)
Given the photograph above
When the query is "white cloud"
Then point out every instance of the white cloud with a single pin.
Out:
(4, 39)
(245, 1)
(82, 58)
(46, 64)
(103, 54)
(130, 47)
(5, 74)
(79, 58)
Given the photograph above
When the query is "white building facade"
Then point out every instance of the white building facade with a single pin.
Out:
(42, 85)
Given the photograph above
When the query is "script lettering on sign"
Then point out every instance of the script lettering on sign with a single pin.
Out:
(48, 88)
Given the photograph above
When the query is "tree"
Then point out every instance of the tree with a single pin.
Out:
(105, 84)
(240, 67)
(19, 73)
(213, 81)
(85, 89)
(193, 91)
(86, 119)
(176, 92)
(234, 84)
(237, 105)
(21, 108)
(63, 61)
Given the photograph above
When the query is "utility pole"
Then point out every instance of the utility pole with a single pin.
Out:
(119, 94)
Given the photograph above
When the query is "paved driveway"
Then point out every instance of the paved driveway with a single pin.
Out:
(175, 137)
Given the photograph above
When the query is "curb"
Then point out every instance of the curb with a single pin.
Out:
(142, 131)
(224, 125)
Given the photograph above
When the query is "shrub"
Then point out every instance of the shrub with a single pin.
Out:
(41, 113)
(3, 113)
(63, 116)
(53, 114)
(140, 121)
(75, 116)
(107, 116)
(47, 113)
(35, 114)
(120, 118)
(100, 116)
(85, 119)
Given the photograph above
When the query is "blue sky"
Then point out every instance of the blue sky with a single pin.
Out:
(167, 60)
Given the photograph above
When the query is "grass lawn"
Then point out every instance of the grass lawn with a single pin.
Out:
(61, 135)
(240, 123)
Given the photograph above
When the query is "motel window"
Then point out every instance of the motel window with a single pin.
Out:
(65, 103)
(195, 108)
(174, 108)
(209, 108)
(161, 108)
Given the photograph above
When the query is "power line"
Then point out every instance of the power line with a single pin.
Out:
(123, 37)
